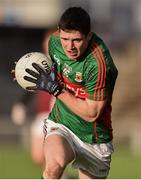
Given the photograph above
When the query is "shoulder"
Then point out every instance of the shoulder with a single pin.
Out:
(96, 59)
(98, 47)
(98, 52)
(54, 40)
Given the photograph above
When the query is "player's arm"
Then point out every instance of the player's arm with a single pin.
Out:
(89, 110)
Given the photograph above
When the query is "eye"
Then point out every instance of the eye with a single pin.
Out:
(64, 39)
(77, 40)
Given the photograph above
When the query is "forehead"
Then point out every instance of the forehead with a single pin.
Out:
(71, 34)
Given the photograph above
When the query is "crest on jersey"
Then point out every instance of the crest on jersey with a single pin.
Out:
(78, 77)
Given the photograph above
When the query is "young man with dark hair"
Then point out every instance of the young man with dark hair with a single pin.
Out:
(79, 128)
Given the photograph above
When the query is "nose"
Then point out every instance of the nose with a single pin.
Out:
(70, 45)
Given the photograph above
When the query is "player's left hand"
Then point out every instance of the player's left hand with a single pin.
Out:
(43, 80)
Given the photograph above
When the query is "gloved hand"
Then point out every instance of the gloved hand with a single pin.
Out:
(43, 80)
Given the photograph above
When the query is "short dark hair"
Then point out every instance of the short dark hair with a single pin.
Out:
(75, 18)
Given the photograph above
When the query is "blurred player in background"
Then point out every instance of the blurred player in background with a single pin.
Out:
(44, 104)
(79, 128)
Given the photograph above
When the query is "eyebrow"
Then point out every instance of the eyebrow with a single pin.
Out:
(72, 39)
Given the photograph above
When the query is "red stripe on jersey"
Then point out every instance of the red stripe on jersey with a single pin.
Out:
(104, 69)
(97, 89)
(98, 55)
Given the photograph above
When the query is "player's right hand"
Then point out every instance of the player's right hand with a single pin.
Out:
(43, 80)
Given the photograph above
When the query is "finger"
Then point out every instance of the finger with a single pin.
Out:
(54, 67)
(38, 68)
(32, 73)
(30, 79)
(31, 88)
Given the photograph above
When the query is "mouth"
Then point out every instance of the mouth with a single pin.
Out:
(72, 53)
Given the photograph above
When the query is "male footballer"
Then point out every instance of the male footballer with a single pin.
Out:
(82, 78)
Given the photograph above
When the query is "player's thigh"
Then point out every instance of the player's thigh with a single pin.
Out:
(85, 175)
(58, 149)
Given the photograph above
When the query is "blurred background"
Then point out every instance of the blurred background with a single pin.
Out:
(23, 24)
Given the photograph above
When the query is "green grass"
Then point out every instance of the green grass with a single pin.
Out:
(125, 164)
(16, 163)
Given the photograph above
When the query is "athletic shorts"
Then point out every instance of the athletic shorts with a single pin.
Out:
(93, 158)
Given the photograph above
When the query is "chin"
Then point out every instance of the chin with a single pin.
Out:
(72, 57)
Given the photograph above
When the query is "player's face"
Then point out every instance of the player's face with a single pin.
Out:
(74, 43)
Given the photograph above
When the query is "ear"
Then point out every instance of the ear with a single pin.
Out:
(89, 36)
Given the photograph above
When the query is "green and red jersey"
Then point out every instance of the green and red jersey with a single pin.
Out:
(91, 76)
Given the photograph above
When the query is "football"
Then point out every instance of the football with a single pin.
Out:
(26, 62)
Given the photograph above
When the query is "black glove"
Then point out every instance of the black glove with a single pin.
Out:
(46, 81)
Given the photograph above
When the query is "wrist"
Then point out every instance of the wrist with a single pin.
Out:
(57, 90)
(62, 93)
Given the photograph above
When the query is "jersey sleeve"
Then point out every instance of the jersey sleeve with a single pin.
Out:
(95, 79)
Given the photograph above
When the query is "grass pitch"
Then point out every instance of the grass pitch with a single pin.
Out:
(16, 163)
